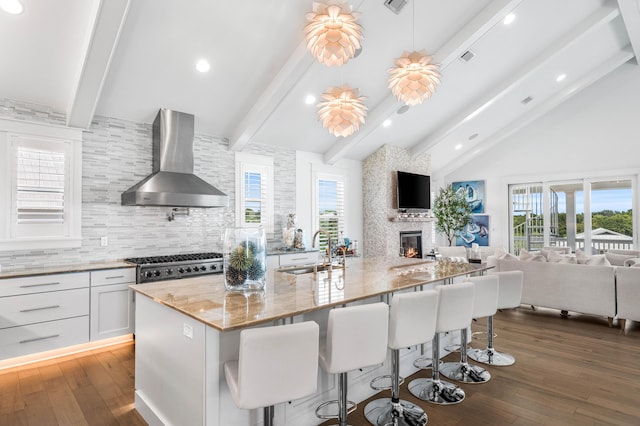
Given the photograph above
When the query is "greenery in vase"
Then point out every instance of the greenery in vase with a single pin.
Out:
(452, 212)
(244, 265)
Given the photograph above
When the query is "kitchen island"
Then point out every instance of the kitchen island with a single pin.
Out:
(186, 329)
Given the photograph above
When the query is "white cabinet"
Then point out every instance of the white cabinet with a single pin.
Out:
(43, 312)
(112, 303)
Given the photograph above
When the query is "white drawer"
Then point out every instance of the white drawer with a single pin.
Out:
(41, 283)
(298, 258)
(29, 339)
(113, 276)
(40, 307)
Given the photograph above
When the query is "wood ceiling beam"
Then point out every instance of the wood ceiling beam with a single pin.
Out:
(450, 51)
(100, 46)
(602, 17)
(630, 10)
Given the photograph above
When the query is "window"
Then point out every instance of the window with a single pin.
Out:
(329, 207)
(41, 204)
(254, 189)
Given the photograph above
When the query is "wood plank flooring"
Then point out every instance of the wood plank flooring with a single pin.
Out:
(573, 371)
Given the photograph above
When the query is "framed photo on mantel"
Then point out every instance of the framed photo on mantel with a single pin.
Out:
(473, 192)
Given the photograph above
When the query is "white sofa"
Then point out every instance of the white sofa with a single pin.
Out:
(456, 252)
(628, 294)
(587, 289)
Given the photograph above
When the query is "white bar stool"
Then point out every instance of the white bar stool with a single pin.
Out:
(455, 307)
(356, 338)
(276, 364)
(412, 320)
(485, 304)
(509, 296)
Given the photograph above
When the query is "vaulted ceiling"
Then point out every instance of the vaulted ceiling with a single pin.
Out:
(128, 58)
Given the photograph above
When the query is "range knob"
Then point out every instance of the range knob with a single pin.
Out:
(181, 270)
(156, 273)
(169, 271)
(214, 267)
(188, 269)
(203, 268)
(148, 274)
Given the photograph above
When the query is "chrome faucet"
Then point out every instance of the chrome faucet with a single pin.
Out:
(313, 243)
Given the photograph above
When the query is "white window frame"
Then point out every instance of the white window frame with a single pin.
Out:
(315, 203)
(263, 165)
(66, 234)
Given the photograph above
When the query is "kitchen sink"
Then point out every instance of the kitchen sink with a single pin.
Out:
(306, 269)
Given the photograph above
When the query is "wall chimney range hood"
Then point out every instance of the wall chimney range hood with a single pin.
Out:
(172, 183)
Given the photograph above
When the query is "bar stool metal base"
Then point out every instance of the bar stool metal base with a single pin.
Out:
(383, 412)
(436, 391)
(464, 372)
(491, 357)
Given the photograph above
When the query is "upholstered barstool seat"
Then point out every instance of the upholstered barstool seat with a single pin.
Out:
(509, 296)
(485, 304)
(356, 338)
(455, 308)
(412, 321)
(275, 365)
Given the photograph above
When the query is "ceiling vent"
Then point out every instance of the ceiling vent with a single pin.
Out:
(526, 100)
(395, 5)
(467, 56)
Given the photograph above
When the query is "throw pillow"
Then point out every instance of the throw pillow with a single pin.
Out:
(501, 253)
(618, 259)
(597, 259)
(531, 257)
(555, 257)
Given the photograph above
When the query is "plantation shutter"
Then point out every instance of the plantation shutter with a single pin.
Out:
(330, 204)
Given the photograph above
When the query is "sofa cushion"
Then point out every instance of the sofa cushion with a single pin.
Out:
(596, 259)
(501, 253)
(531, 256)
(555, 257)
(618, 259)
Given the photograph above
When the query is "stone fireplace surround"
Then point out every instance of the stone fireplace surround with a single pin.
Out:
(381, 223)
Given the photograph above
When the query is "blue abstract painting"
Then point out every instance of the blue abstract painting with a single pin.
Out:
(473, 192)
(476, 232)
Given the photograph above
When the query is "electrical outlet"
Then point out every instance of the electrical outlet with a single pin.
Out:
(104, 241)
(187, 330)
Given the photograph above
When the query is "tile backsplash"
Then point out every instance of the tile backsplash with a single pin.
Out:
(116, 154)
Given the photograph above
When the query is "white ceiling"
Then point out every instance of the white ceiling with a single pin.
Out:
(128, 58)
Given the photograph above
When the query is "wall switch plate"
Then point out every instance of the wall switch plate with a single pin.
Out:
(104, 241)
(187, 330)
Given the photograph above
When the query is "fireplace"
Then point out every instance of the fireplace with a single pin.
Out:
(411, 244)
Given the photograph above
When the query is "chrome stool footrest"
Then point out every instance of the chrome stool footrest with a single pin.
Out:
(384, 412)
(491, 357)
(351, 407)
(424, 363)
(384, 382)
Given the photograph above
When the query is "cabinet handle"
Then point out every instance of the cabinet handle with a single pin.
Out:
(40, 309)
(38, 285)
(299, 258)
(35, 339)
(115, 276)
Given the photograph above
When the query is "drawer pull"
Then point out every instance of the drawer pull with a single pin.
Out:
(40, 309)
(299, 258)
(38, 285)
(115, 276)
(35, 339)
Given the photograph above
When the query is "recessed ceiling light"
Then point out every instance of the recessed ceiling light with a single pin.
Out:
(13, 7)
(457, 147)
(203, 66)
(310, 99)
(509, 19)
(403, 109)
(386, 123)
(473, 136)
(561, 77)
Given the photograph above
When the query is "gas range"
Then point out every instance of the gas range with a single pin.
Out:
(159, 268)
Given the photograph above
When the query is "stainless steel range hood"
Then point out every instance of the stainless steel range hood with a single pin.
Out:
(172, 183)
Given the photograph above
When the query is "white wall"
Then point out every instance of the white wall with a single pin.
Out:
(306, 163)
(593, 134)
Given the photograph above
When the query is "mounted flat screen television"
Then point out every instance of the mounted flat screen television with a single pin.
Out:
(414, 191)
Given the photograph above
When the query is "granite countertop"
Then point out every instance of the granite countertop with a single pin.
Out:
(205, 298)
(48, 270)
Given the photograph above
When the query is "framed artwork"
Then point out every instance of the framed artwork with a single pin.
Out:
(476, 232)
(473, 192)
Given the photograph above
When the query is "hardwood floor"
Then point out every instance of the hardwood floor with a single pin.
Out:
(573, 371)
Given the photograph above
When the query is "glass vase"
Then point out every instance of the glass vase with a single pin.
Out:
(244, 255)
